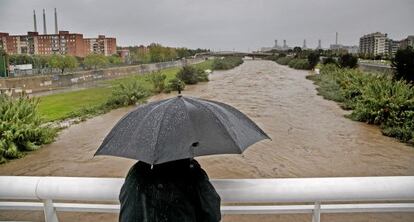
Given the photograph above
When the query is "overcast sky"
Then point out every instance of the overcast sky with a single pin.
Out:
(216, 24)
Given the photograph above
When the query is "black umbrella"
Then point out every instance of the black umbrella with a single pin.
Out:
(179, 128)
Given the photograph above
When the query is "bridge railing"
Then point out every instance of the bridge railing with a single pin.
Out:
(289, 196)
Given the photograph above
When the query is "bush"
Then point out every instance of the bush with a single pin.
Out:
(175, 85)
(21, 127)
(348, 61)
(299, 64)
(158, 81)
(202, 76)
(126, 94)
(329, 60)
(227, 63)
(313, 59)
(284, 60)
(375, 99)
(403, 64)
(188, 75)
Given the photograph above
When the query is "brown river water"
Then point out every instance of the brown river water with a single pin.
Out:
(310, 138)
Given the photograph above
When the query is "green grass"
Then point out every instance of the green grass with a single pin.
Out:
(64, 105)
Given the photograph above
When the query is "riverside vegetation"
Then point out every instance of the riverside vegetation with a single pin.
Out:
(24, 121)
(21, 128)
(373, 98)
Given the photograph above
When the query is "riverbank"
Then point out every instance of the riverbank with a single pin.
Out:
(372, 98)
(310, 138)
(70, 104)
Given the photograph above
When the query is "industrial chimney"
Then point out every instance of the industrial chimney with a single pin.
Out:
(34, 21)
(44, 22)
(304, 44)
(56, 23)
(336, 39)
(319, 44)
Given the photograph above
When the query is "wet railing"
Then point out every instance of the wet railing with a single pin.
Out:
(252, 196)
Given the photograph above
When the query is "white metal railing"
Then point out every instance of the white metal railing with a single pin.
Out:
(43, 192)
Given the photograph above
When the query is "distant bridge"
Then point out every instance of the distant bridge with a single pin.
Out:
(234, 53)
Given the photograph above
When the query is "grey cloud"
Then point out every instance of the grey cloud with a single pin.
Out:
(217, 24)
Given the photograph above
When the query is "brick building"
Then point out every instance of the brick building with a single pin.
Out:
(63, 43)
(101, 45)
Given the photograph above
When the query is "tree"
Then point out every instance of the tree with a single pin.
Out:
(403, 64)
(115, 59)
(69, 62)
(313, 59)
(297, 49)
(348, 61)
(63, 62)
(95, 61)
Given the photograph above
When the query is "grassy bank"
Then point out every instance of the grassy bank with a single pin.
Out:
(80, 103)
(374, 99)
(24, 122)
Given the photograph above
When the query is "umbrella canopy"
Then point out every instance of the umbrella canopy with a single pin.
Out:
(179, 128)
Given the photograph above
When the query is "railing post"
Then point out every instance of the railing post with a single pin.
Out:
(50, 211)
(317, 212)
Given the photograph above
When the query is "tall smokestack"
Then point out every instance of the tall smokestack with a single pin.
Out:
(34, 21)
(56, 23)
(304, 44)
(319, 44)
(336, 39)
(44, 22)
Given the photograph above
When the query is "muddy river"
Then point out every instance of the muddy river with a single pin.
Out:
(311, 138)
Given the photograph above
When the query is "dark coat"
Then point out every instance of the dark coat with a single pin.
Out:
(174, 191)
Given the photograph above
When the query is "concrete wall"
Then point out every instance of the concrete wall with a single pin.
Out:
(375, 68)
(50, 82)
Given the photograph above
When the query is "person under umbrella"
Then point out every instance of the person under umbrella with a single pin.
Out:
(167, 184)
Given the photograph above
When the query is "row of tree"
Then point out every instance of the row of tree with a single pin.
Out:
(64, 62)
(158, 53)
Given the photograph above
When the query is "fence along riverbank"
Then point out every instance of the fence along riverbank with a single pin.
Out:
(41, 83)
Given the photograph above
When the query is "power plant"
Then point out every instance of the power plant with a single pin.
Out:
(34, 21)
(56, 23)
(44, 22)
(57, 42)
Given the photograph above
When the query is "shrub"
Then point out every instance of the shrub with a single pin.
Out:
(175, 85)
(188, 75)
(348, 61)
(284, 60)
(158, 81)
(202, 76)
(375, 99)
(126, 94)
(299, 64)
(329, 60)
(403, 64)
(313, 59)
(227, 63)
(21, 127)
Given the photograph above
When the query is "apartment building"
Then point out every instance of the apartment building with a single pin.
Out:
(63, 43)
(101, 45)
(409, 41)
(374, 44)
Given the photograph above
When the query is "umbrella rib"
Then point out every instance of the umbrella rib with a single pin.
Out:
(159, 127)
(222, 124)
